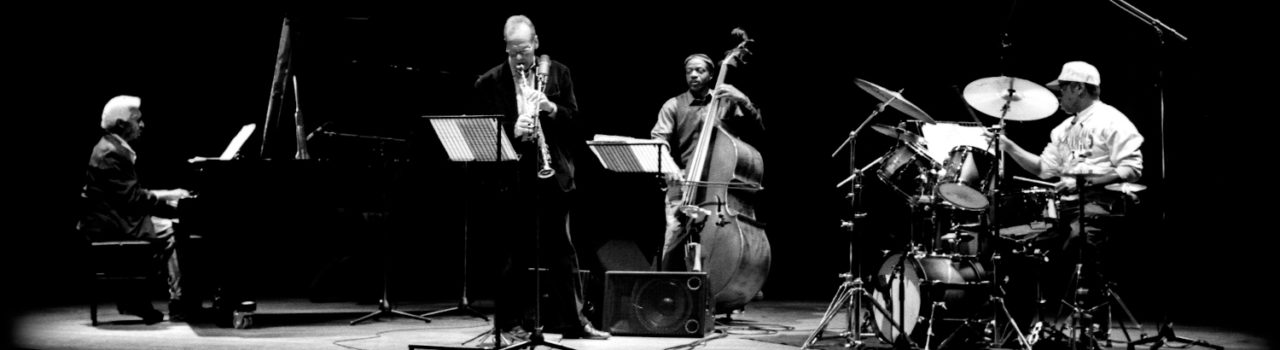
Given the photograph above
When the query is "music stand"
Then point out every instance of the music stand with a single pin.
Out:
(470, 139)
(384, 304)
(467, 139)
(634, 156)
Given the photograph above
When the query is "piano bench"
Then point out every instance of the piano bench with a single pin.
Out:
(118, 262)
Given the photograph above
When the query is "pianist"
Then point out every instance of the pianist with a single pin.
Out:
(117, 207)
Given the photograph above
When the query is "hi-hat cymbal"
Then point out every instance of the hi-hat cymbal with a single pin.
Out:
(894, 99)
(1027, 100)
(1126, 187)
(898, 133)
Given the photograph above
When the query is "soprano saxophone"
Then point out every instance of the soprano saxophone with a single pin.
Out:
(544, 154)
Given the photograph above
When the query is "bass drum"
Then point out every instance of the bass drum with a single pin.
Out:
(957, 282)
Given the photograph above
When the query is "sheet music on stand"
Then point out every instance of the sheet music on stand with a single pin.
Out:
(471, 138)
(631, 155)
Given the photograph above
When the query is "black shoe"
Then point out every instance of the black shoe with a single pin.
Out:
(587, 332)
(148, 315)
(184, 310)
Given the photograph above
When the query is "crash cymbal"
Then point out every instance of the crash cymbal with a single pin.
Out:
(894, 99)
(1126, 187)
(1027, 100)
(897, 133)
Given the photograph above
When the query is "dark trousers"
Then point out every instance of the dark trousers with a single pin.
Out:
(548, 212)
(1071, 267)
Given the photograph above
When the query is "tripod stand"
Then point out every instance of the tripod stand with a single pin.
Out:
(850, 295)
(1077, 290)
(384, 304)
(464, 305)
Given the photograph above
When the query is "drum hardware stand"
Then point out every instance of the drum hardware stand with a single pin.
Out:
(997, 299)
(1074, 290)
(1073, 285)
(1078, 310)
(1166, 334)
(1124, 329)
(851, 294)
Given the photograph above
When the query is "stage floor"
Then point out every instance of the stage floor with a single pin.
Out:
(301, 324)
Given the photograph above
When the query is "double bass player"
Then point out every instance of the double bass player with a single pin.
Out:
(679, 125)
(712, 216)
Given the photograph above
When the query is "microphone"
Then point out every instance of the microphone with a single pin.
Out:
(544, 65)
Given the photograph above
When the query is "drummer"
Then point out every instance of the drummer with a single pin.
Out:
(1095, 139)
(1096, 143)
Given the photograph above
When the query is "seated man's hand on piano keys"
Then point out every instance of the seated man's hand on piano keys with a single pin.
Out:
(172, 196)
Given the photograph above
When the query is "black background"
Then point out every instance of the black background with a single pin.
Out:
(205, 71)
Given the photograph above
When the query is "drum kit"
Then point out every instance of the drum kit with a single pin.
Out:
(940, 288)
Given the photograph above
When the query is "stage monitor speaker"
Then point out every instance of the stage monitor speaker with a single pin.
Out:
(657, 303)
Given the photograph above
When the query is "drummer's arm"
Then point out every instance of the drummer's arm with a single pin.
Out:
(1125, 144)
(1027, 160)
(1099, 180)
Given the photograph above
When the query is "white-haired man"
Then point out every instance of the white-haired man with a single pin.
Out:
(118, 207)
(543, 204)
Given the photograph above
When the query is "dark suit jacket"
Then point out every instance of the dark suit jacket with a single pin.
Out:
(496, 94)
(115, 204)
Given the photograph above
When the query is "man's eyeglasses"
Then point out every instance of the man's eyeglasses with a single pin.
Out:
(520, 50)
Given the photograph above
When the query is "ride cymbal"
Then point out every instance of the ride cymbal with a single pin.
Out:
(1026, 100)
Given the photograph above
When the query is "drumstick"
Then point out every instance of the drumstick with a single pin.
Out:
(966, 105)
(1034, 181)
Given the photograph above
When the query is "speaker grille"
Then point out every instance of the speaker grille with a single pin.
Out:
(656, 303)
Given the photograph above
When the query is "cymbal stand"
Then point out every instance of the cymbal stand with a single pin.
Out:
(993, 187)
(993, 195)
(997, 298)
(851, 294)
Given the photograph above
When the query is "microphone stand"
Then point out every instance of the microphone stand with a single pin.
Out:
(1165, 331)
(850, 295)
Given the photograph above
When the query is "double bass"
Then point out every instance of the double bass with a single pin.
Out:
(719, 194)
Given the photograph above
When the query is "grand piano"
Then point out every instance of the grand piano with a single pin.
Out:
(310, 205)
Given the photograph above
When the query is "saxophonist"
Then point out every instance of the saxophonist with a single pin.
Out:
(538, 106)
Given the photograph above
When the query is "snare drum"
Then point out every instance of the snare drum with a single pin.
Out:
(908, 169)
(1024, 215)
(963, 181)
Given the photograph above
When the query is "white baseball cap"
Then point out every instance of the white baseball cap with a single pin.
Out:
(1077, 71)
